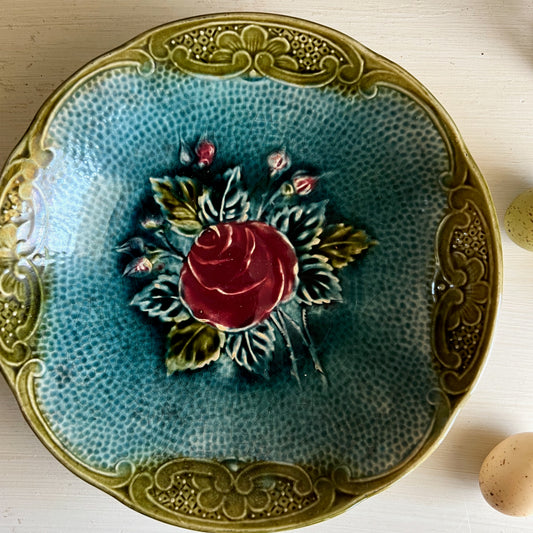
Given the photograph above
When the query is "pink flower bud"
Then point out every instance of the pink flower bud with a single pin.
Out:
(139, 267)
(287, 189)
(277, 161)
(205, 151)
(304, 183)
(134, 246)
(152, 222)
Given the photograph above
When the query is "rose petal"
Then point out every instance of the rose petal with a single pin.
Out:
(236, 273)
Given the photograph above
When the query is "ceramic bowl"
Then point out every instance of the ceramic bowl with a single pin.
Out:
(249, 273)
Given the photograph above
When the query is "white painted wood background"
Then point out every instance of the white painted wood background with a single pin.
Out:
(477, 58)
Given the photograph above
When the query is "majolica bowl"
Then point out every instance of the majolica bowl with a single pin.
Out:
(249, 273)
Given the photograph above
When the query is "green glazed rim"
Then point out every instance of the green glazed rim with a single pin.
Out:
(466, 288)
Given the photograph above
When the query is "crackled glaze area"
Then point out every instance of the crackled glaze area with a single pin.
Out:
(105, 391)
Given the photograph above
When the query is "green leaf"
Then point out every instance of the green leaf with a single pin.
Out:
(253, 348)
(318, 284)
(341, 244)
(302, 225)
(228, 203)
(192, 345)
(178, 199)
(161, 299)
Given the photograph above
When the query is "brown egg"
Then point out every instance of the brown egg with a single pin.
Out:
(506, 476)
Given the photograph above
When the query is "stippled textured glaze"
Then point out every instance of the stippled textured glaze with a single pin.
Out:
(402, 352)
(106, 392)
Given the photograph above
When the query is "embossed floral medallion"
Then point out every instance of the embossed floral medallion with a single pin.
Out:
(224, 291)
(197, 211)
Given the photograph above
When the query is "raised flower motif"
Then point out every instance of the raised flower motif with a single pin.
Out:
(205, 152)
(234, 504)
(254, 40)
(278, 161)
(138, 267)
(234, 274)
(304, 183)
(475, 291)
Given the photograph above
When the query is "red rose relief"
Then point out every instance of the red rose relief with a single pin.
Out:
(236, 273)
(222, 293)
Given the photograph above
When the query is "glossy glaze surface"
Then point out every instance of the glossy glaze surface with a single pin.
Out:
(392, 349)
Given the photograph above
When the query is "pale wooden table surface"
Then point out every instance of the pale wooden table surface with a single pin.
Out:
(477, 59)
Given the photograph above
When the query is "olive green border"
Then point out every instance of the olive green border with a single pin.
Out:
(246, 44)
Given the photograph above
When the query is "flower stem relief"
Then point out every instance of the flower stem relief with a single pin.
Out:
(227, 270)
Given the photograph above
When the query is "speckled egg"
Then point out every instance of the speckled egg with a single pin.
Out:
(506, 476)
(519, 220)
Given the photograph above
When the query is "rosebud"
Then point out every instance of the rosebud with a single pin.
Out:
(205, 151)
(138, 268)
(304, 183)
(152, 222)
(287, 189)
(134, 246)
(278, 161)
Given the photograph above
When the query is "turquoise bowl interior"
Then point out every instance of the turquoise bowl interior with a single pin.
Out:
(220, 448)
(106, 392)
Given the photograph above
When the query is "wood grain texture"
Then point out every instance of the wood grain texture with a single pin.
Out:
(476, 57)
